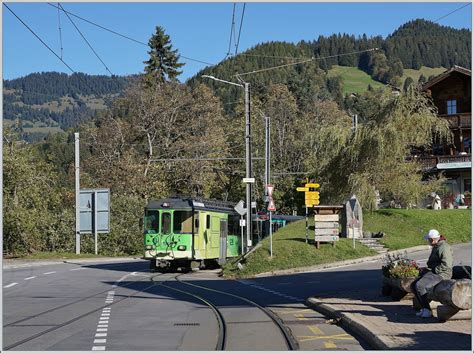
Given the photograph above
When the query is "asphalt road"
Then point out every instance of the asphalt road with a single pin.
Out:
(122, 306)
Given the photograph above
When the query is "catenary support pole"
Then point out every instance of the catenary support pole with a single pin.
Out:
(267, 155)
(95, 222)
(78, 220)
(248, 169)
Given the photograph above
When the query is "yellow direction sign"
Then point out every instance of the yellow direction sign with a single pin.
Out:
(302, 189)
(312, 185)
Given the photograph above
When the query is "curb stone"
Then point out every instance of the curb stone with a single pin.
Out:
(341, 263)
(351, 323)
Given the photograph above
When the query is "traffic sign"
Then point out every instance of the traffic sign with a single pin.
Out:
(270, 189)
(271, 206)
(302, 189)
(248, 180)
(312, 185)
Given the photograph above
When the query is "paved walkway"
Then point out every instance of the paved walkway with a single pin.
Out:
(387, 325)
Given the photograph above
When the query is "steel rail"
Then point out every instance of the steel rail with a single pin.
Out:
(56, 327)
(221, 339)
(292, 343)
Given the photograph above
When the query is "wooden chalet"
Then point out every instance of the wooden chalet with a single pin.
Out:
(451, 93)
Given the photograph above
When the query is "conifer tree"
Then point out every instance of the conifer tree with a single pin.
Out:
(163, 64)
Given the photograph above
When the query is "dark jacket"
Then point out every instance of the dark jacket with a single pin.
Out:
(441, 259)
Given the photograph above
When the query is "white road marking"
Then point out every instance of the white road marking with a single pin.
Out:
(28, 278)
(100, 335)
(102, 325)
(104, 322)
(105, 314)
(77, 269)
(48, 273)
(10, 285)
(102, 329)
(98, 348)
(100, 340)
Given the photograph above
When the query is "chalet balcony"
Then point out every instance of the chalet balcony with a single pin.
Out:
(460, 161)
(461, 120)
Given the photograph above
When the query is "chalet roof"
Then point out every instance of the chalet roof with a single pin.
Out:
(446, 74)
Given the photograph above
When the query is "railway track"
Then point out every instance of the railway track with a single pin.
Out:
(292, 343)
(221, 337)
(90, 312)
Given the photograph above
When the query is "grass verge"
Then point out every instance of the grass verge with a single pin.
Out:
(406, 228)
(290, 251)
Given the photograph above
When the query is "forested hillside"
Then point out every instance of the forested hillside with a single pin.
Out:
(415, 44)
(39, 101)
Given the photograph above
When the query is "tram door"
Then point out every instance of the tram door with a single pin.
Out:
(223, 242)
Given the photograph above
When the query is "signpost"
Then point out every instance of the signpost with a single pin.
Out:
(271, 208)
(94, 211)
(241, 210)
(311, 198)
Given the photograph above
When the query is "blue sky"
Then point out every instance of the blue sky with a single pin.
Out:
(198, 30)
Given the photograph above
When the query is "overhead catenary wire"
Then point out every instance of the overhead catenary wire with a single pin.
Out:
(240, 30)
(38, 37)
(232, 29)
(452, 12)
(124, 36)
(60, 34)
(51, 50)
(303, 62)
(85, 39)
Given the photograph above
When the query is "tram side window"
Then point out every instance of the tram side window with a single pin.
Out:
(233, 225)
(165, 223)
(208, 221)
(182, 222)
(151, 222)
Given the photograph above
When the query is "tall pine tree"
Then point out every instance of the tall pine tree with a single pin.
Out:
(163, 64)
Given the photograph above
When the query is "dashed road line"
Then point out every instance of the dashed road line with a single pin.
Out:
(28, 278)
(77, 269)
(49, 273)
(10, 285)
(103, 325)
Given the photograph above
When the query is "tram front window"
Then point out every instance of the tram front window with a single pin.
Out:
(165, 223)
(151, 222)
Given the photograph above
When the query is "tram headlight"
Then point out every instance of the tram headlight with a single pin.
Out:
(182, 247)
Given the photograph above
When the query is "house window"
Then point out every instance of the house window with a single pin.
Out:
(451, 105)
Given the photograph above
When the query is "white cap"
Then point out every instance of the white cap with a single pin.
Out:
(433, 233)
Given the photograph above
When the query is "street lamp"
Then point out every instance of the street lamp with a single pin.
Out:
(248, 154)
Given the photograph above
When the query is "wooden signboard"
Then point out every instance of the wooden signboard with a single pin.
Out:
(326, 224)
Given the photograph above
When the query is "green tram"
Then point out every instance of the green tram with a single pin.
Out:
(185, 232)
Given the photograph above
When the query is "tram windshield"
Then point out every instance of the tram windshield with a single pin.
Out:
(151, 222)
(165, 223)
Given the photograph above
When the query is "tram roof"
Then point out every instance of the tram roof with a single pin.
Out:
(191, 203)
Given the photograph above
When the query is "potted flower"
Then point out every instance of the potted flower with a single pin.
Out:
(399, 272)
